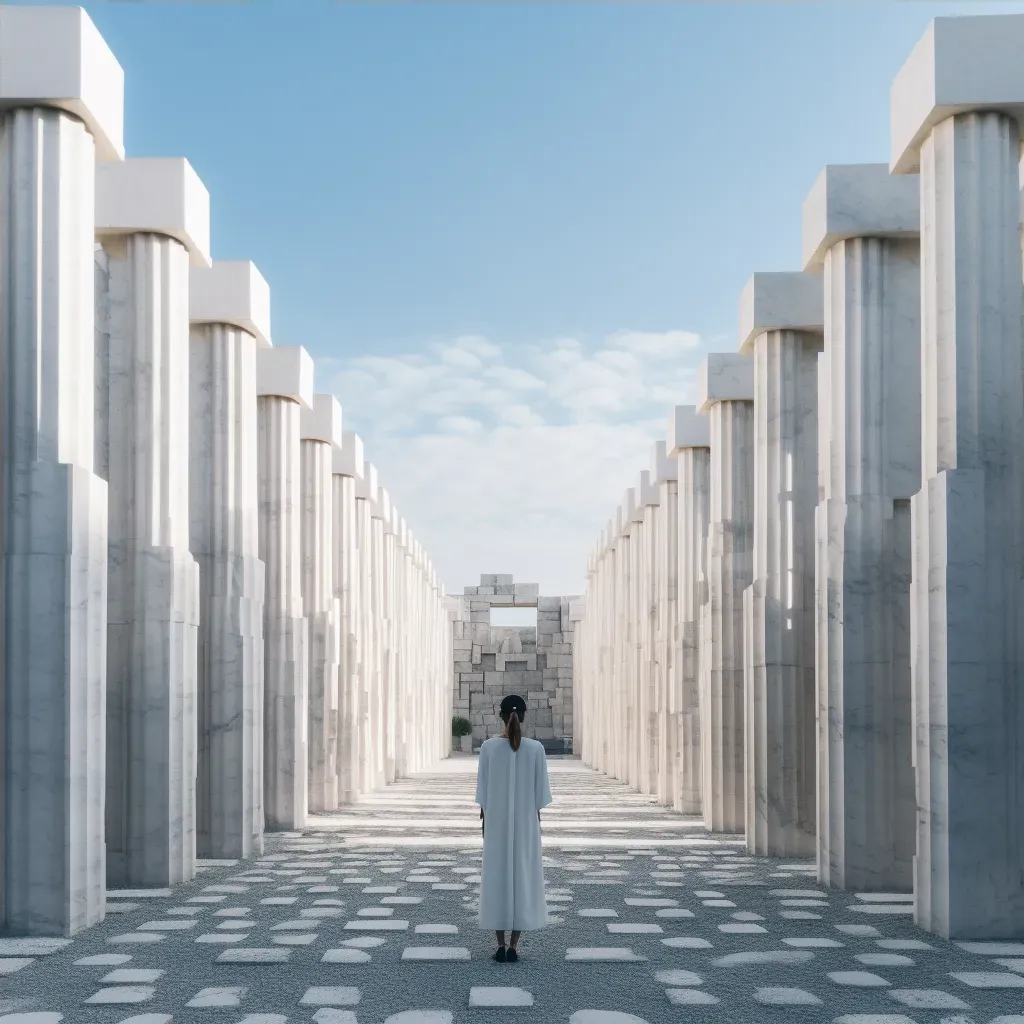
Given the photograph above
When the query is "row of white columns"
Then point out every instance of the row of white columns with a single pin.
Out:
(215, 622)
(838, 543)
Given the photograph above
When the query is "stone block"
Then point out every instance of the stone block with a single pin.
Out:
(469, 591)
(504, 590)
(544, 733)
(545, 639)
(488, 580)
(791, 300)
(724, 377)
(547, 604)
(526, 593)
(488, 591)
(322, 422)
(157, 195)
(348, 460)
(480, 617)
(503, 599)
(231, 292)
(472, 677)
(685, 430)
(462, 644)
(503, 580)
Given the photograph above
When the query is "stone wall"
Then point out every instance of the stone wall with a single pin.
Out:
(491, 662)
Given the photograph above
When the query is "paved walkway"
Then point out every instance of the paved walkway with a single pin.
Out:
(367, 917)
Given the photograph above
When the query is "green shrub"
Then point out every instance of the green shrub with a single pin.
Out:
(461, 727)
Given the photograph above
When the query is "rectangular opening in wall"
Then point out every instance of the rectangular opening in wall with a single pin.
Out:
(504, 616)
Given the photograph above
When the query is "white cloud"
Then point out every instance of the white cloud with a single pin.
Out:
(511, 459)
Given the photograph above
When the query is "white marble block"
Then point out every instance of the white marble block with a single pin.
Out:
(348, 467)
(284, 390)
(955, 110)
(725, 394)
(152, 217)
(230, 322)
(321, 435)
(62, 97)
(689, 444)
(860, 227)
(781, 320)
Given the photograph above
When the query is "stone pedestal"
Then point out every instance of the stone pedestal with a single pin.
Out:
(348, 468)
(780, 325)
(955, 106)
(52, 502)
(726, 396)
(321, 434)
(688, 443)
(285, 390)
(861, 227)
(153, 219)
(230, 314)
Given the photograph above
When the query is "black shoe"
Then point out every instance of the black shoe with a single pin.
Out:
(500, 956)
(511, 956)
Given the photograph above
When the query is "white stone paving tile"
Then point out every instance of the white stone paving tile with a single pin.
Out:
(993, 948)
(221, 938)
(370, 924)
(416, 1017)
(604, 1017)
(149, 1018)
(132, 976)
(597, 913)
(812, 943)
(32, 947)
(928, 999)
(122, 994)
(331, 995)
(139, 894)
(690, 997)
(861, 931)
(857, 979)
(136, 938)
(253, 955)
(13, 964)
(786, 997)
(884, 960)
(742, 929)
(632, 928)
(345, 956)
(364, 942)
(902, 944)
(166, 926)
(490, 996)
(785, 957)
(601, 954)
(294, 939)
(678, 979)
(32, 1018)
(686, 942)
(209, 998)
(436, 929)
(989, 979)
(676, 912)
(103, 960)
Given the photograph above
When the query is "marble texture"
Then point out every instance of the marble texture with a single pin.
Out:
(224, 538)
(860, 227)
(142, 363)
(779, 660)
(726, 396)
(689, 443)
(285, 388)
(54, 515)
(967, 521)
(321, 434)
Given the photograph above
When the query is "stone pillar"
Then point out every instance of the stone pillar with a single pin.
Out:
(647, 618)
(780, 326)
(153, 218)
(861, 228)
(321, 435)
(348, 469)
(627, 563)
(366, 494)
(664, 473)
(285, 390)
(387, 624)
(688, 444)
(955, 105)
(53, 505)
(725, 394)
(230, 314)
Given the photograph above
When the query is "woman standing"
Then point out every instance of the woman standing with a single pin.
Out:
(511, 788)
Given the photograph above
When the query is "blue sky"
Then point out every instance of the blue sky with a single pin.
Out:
(509, 232)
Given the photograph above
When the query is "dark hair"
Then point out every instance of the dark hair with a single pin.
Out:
(515, 734)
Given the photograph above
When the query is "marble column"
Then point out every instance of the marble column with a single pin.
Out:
(153, 219)
(955, 105)
(664, 476)
(230, 322)
(366, 494)
(725, 394)
(284, 388)
(647, 538)
(781, 321)
(321, 435)
(688, 444)
(628, 573)
(388, 646)
(861, 228)
(53, 504)
(348, 468)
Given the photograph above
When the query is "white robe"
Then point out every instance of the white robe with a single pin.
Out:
(511, 788)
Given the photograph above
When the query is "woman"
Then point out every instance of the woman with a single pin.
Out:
(511, 788)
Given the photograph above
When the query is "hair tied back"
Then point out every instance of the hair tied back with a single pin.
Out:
(515, 733)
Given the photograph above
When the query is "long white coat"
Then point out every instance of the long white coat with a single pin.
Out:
(512, 787)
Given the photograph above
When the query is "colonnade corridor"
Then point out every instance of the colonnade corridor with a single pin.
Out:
(367, 915)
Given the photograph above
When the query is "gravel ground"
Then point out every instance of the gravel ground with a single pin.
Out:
(368, 916)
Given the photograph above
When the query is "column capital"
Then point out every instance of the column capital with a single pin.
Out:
(348, 459)
(786, 301)
(322, 421)
(366, 485)
(157, 195)
(686, 430)
(724, 377)
(231, 292)
(285, 372)
(958, 66)
(858, 201)
(647, 493)
(55, 57)
(663, 468)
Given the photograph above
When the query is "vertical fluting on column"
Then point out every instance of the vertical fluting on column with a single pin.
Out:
(321, 431)
(348, 463)
(967, 544)
(224, 540)
(688, 444)
(666, 562)
(365, 634)
(286, 629)
(377, 627)
(779, 724)
(870, 442)
(153, 583)
(54, 529)
(647, 617)
(389, 668)
(725, 396)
